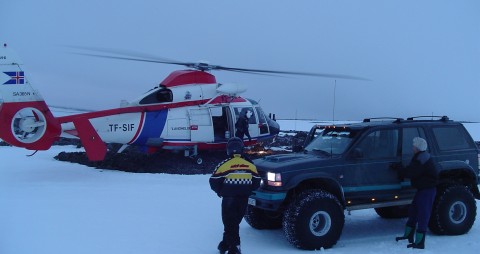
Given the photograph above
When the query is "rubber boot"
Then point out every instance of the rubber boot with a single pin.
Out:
(222, 247)
(234, 250)
(419, 241)
(409, 233)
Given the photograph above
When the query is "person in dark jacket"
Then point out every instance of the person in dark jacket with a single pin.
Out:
(423, 176)
(242, 124)
(234, 179)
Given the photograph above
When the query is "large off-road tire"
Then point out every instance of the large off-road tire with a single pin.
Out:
(453, 212)
(263, 219)
(314, 220)
(393, 212)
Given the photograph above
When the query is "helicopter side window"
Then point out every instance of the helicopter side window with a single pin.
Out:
(165, 95)
(239, 111)
(262, 121)
(162, 95)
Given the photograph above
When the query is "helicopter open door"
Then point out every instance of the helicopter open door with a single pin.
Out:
(252, 121)
(222, 123)
(201, 125)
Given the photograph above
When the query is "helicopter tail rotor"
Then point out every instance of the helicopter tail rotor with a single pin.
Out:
(28, 124)
(25, 119)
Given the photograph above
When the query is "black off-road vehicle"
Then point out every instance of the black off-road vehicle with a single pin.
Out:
(354, 166)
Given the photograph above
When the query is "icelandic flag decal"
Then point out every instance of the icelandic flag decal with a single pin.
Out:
(16, 78)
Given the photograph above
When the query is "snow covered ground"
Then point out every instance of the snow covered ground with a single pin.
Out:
(50, 207)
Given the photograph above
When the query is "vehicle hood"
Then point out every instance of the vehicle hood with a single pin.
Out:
(291, 162)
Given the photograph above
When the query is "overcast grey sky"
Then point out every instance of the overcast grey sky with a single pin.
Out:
(423, 57)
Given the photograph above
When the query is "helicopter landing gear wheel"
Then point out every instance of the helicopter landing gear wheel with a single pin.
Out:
(198, 160)
(192, 153)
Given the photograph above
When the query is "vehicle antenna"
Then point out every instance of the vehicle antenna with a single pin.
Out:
(295, 125)
(334, 91)
(333, 113)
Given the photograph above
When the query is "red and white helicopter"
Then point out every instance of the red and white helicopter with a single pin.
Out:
(188, 111)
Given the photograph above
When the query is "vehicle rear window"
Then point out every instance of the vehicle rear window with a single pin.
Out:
(452, 138)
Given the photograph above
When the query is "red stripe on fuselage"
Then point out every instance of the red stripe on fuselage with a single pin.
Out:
(227, 99)
(199, 145)
(204, 146)
(135, 109)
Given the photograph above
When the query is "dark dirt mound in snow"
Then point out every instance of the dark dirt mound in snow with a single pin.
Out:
(137, 162)
(132, 160)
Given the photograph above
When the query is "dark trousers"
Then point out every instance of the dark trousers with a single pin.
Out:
(239, 134)
(233, 210)
(421, 209)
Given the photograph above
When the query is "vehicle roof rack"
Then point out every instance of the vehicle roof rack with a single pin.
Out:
(395, 119)
(440, 118)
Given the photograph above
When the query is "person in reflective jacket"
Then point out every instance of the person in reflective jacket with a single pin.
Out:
(234, 179)
(423, 176)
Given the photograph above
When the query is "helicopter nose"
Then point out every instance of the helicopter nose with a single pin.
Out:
(273, 126)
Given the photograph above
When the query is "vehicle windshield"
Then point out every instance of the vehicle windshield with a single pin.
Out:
(331, 142)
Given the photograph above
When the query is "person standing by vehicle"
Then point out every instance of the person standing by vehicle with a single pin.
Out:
(423, 176)
(242, 124)
(234, 179)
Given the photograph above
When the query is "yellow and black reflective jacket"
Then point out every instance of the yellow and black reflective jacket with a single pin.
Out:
(235, 176)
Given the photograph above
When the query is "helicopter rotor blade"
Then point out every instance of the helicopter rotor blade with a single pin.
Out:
(256, 73)
(127, 55)
(324, 75)
(122, 53)
(202, 66)
(133, 59)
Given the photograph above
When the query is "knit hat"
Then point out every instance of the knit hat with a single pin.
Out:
(420, 143)
(234, 146)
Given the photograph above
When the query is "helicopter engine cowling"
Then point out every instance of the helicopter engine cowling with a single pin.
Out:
(231, 89)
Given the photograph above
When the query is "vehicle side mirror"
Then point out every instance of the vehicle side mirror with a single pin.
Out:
(357, 153)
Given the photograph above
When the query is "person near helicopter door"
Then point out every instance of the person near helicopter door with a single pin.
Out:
(242, 124)
(233, 180)
(423, 176)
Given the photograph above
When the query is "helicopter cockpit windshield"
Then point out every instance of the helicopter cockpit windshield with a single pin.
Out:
(331, 141)
(161, 95)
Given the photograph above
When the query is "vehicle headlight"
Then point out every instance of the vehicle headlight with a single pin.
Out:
(274, 179)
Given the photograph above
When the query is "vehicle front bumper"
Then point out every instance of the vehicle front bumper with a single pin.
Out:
(267, 200)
